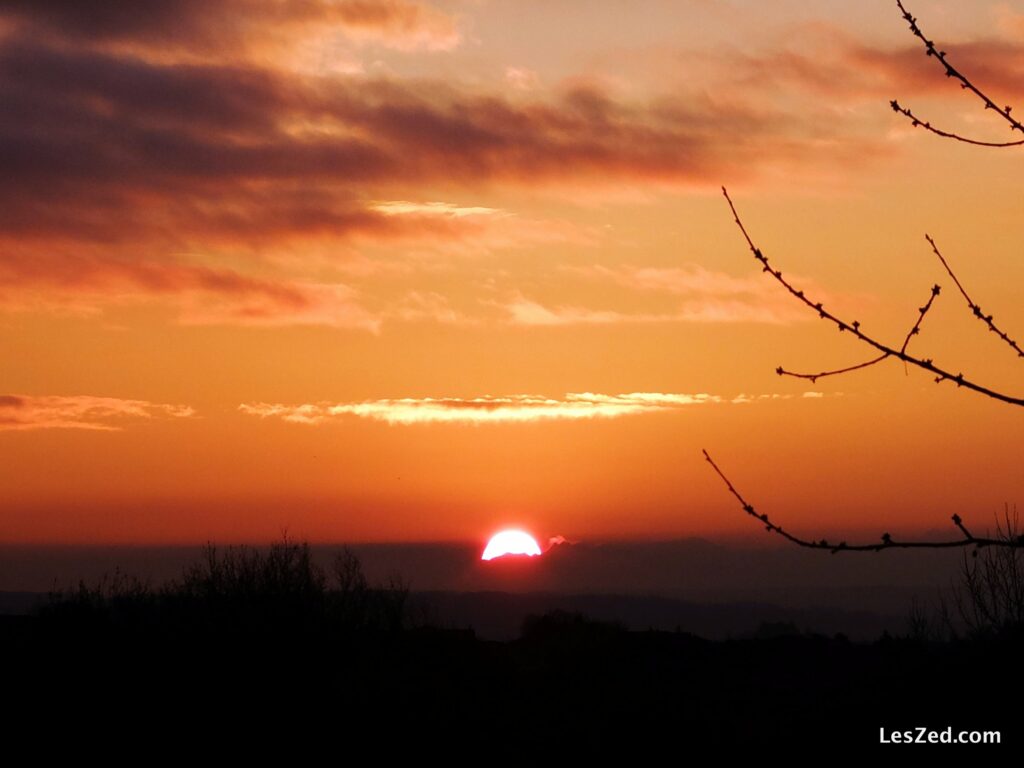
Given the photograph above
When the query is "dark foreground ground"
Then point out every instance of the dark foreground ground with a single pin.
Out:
(265, 651)
(565, 678)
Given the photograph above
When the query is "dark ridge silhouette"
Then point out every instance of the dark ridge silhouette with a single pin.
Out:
(501, 615)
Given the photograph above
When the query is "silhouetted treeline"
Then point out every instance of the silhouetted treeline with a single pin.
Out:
(238, 590)
(265, 643)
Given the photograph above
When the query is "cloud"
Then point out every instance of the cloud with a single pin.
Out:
(523, 311)
(133, 134)
(214, 150)
(433, 209)
(94, 272)
(397, 23)
(685, 280)
(26, 412)
(695, 295)
(1010, 22)
(427, 305)
(335, 305)
(521, 78)
(493, 410)
(211, 26)
(204, 124)
(203, 295)
(229, 158)
(831, 64)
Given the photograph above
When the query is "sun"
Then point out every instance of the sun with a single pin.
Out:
(510, 542)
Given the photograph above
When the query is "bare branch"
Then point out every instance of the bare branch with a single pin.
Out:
(936, 290)
(919, 123)
(886, 541)
(975, 309)
(1012, 541)
(940, 374)
(813, 377)
(965, 83)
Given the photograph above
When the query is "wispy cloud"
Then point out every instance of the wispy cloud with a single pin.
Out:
(334, 305)
(522, 78)
(26, 412)
(441, 209)
(523, 311)
(823, 59)
(696, 295)
(493, 410)
(401, 24)
(87, 284)
(686, 280)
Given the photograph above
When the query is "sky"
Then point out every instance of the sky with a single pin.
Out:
(391, 270)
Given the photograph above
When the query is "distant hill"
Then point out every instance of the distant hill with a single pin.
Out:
(500, 615)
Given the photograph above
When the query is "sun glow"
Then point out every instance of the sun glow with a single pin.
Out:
(510, 542)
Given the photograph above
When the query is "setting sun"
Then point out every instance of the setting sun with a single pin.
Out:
(510, 542)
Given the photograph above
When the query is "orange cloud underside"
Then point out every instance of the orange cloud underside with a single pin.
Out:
(262, 264)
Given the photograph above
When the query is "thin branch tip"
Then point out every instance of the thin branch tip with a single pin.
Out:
(885, 351)
(887, 541)
(965, 84)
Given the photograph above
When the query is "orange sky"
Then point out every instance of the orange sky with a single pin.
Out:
(396, 270)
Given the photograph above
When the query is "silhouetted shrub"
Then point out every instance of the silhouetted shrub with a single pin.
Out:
(985, 601)
(356, 604)
(117, 599)
(239, 590)
(285, 570)
(990, 596)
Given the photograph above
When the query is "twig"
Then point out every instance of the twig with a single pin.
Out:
(940, 374)
(975, 309)
(886, 540)
(965, 83)
(917, 122)
(813, 377)
(936, 290)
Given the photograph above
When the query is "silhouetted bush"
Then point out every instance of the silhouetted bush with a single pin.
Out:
(285, 570)
(990, 595)
(986, 599)
(356, 604)
(242, 589)
(115, 600)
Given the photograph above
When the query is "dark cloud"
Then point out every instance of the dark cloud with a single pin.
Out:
(124, 126)
(141, 20)
(994, 65)
(219, 25)
(841, 69)
(115, 160)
